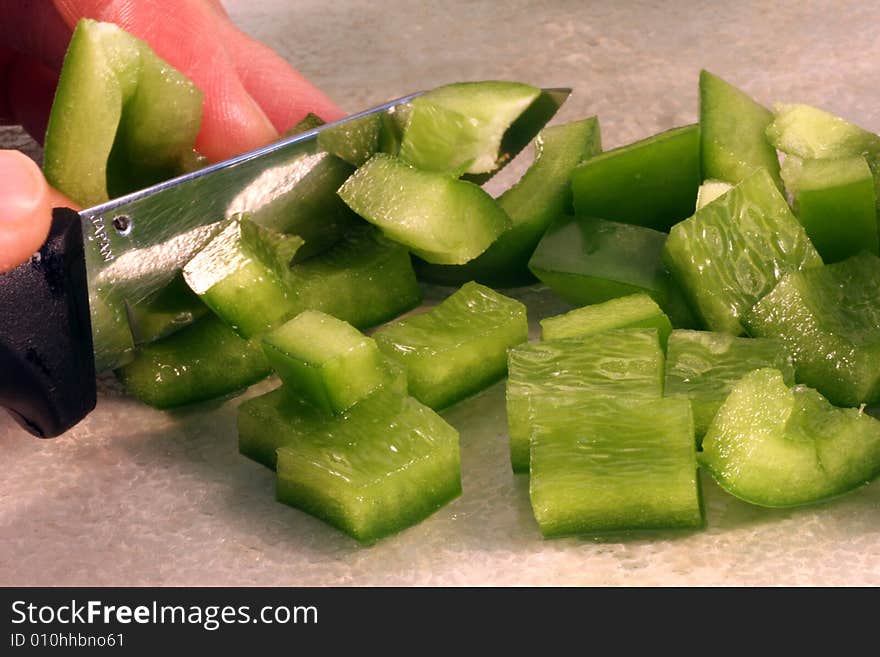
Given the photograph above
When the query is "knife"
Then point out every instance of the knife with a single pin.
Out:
(64, 313)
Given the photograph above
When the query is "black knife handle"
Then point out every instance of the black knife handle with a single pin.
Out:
(47, 369)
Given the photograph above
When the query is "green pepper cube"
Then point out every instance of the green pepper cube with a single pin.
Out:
(355, 140)
(165, 311)
(803, 133)
(458, 128)
(733, 140)
(205, 360)
(273, 420)
(836, 204)
(327, 361)
(633, 311)
(458, 347)
(240, 289)
(614, 465)
(704, 366)
(587, 261)
(122, 118)
(734, 250)
(625, 363)
(541, 195)
(282, 416)
(374, 471)
(710, 190)
(440, 219)
(829, 317)
(811, 133)
(364, 279)
(777, 446)
(274, 249)
(650, 183)
(302, 202)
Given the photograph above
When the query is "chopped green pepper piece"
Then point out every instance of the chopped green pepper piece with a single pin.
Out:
(122, 118)
(202, 361)
(458, 347)
(542, 195)
(650, 183)
(588, 261)
(633, 311)
(374, 471)
(836, 204)
(441, 219)
(704, 366)
(364, 279)
(613, 465)
(830, 319)
(166, 311)
(710, 190)
(733, 250)
(355, 141)
(804, 132)
(621, 363)
(275, 250)
(273, 420)
(458, 128)
(733, 142)
(325, 360)
(777, 446)
(240, 289)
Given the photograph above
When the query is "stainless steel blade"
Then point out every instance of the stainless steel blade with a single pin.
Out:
(136, 244)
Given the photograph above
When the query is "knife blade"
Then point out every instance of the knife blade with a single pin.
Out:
(133, 246)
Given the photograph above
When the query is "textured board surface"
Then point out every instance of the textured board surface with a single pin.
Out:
(137, 496)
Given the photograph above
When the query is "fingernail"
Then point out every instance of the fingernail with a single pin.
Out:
(22, 187)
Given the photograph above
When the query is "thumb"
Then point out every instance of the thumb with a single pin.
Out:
(25, 208)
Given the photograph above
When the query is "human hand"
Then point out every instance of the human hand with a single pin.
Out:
(250, 93)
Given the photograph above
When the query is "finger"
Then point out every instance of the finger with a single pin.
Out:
(185, 34)
(25, 208)
(283, 93)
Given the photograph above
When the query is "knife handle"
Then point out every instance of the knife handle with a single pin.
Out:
(47, 368)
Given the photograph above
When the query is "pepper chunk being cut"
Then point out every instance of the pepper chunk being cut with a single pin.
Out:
(363, 279)
(238, 287)
(457, 348)
(440, 219)
(778, 446)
